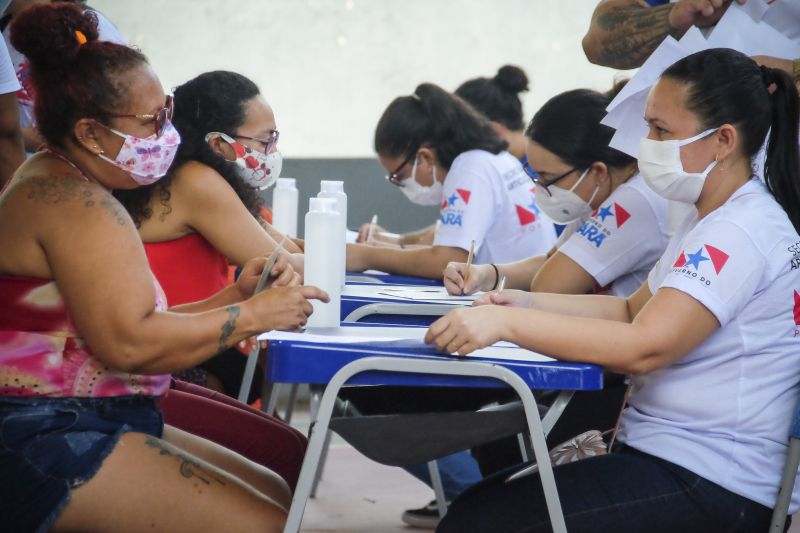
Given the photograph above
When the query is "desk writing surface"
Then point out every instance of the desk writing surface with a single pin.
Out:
(315, 356)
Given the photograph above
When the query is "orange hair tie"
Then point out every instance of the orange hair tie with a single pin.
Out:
(80, 37)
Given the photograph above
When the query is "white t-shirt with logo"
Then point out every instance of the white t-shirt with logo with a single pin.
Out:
(724, 410)
(623, 239)
(8, 80)
(490, 199)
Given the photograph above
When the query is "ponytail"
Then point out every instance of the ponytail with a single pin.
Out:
(782, 168)
(434, 118)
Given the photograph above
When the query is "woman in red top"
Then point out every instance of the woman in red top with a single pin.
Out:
(205, 213)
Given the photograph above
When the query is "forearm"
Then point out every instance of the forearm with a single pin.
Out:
(165, 342)
(423, 236)
(520, 275)
(623, 33)
(228, 296)
(426, 262)
(12, 154)
(289, 245)
(582, 305)
(620, 347)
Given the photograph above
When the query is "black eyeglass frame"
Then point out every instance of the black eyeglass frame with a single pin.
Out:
(546, 184)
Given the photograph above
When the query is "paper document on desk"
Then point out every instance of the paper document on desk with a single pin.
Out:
(432, 294)
(401, 338)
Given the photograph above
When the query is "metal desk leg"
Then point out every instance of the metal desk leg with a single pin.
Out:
(287, 417)
(438, 488)
(453, 368)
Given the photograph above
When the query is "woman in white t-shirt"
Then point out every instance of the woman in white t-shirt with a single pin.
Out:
(617, 226)
(711, 339)
(441, 152)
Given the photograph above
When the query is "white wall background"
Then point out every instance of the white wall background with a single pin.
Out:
(330, 67)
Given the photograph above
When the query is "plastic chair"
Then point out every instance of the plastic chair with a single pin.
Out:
(778, 524)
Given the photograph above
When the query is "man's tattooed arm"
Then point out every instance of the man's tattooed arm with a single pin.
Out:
(228, 327)
(623, 36)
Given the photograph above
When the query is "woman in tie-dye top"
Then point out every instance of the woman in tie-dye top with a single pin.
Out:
(85, 341)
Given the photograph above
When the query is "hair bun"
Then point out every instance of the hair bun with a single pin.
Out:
(45, 34)
(512, 79)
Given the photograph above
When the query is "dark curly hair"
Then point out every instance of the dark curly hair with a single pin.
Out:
(213, 101)
(70, 80)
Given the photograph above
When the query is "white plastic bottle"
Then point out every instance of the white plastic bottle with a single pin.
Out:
(284, 206)
(335, 190)
(322, 239)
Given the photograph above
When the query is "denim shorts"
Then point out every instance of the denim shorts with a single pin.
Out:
(49, 446)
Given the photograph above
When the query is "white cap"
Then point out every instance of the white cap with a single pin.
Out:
(322, 204)
(331, 186)
(286, 182)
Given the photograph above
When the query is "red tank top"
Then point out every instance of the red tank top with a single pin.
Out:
(188, 268)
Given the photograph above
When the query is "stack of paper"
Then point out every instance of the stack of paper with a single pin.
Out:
(746, 28)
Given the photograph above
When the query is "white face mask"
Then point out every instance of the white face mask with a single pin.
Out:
(421, 194)
(257, 169)
(562, 205)
(662, 169)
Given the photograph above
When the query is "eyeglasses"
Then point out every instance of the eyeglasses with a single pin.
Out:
(268, 144)
(393, 176)
(546, 184)
(160, 119)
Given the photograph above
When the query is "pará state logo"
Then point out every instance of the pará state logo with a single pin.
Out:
(701, 264)
(453, 206)
(602, 222)
(528, 214)
(796, 314)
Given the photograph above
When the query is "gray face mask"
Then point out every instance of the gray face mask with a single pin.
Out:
(662, 169)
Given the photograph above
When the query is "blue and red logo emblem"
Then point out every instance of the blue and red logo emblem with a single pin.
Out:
(452, 210)
(614, 210)
(717, 257)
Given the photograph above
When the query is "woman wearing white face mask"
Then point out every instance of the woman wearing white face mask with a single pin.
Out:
(441, 152)
(207, 213)
(710, 339)
(617, 226)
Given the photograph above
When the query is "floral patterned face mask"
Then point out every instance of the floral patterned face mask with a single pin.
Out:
(146, 159)
(257, 169)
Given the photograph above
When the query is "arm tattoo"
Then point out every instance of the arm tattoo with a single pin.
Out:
(228, 327)
(60, 188)
(189, 468)
(632, 33)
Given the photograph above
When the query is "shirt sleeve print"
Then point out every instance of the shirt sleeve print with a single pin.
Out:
(466, 212)
(718, 265)
(620, 237)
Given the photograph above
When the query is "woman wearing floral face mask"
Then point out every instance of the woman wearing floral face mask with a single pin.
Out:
(86, 341)
(440, 152)
(617, 224)
(206, 213)
(710, 338)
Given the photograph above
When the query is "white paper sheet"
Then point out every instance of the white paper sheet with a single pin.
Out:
(406, 338)
(407, 293)
(738, 29)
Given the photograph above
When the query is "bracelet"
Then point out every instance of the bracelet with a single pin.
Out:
(496, 276)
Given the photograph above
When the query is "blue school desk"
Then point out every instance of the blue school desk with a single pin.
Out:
(364, 303)
(410, 363)
(390, 279)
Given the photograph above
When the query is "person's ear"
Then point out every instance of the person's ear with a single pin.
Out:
(726, 138)
(86, 134)
(600, 172)
(221, 147)
(427, 155)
